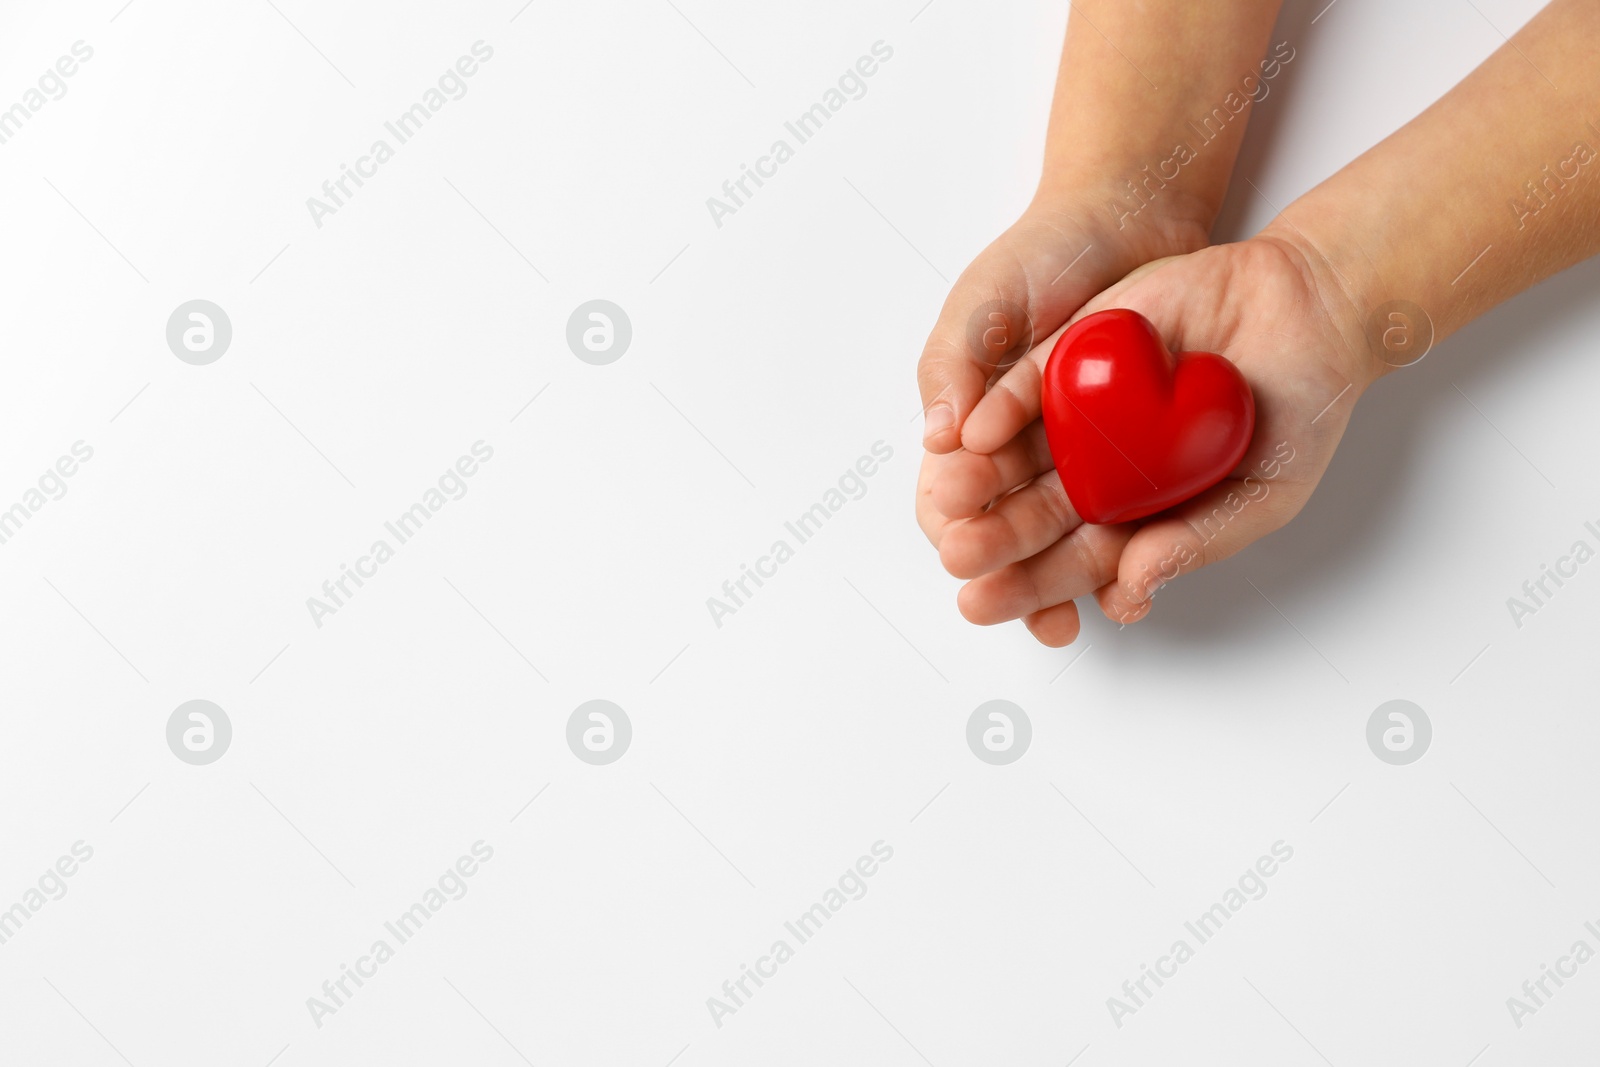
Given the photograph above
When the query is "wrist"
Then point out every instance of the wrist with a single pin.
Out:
(1137, 225)
(1168, 168)
(1378, 331)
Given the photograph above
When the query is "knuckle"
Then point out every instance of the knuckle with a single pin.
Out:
(1027, 579)
(933, 373)
(954, 557)
(1058, 509)
(1088, 560)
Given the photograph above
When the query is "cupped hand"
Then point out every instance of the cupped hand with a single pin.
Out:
(1002, 520)
(1025, 285)
(1028, 282)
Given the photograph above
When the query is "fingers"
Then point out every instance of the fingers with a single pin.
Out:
(987, 313)
(1209, 528)
(969, 482)
(951, 383)
(1118, 611)
(1013, 403)
(1074, 566)
(1017, 398)
(1020, 525)
(933, 521)
(1056, 627)
(1024, 284)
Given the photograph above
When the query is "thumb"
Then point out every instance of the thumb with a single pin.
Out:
(1206, 530)
(1017, 292)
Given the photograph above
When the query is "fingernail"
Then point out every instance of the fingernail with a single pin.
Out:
(937, 418)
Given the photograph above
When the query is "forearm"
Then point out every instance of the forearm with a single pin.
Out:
(1492, 189)
(1152, 100)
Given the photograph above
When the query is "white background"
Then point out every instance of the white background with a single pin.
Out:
(769, 753)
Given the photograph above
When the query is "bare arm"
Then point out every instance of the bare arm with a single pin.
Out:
(1136, 82)
(1491, 190)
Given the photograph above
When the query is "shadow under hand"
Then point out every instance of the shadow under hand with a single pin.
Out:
(1349, 520)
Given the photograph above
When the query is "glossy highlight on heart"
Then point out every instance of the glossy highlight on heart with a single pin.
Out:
(1135, 429)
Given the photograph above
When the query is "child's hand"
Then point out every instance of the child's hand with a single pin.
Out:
(1115, 193)
(1027, 283)
(1020, 289)
(1112, 195)
(1271, 306)
(1289, 307)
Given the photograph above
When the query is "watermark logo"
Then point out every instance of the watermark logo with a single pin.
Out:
(850, 485)
(1536, 992)
(451, 485)
(1400, 333)
(1250, 886)
(199, 332)
(1256, 487)
(599, 332)
(1551, 184)
(1143, 188)
(199, 732)
(52, 86)
(999, 732)
(52, 485)
(738, 191)
(1399, 732)
(999, 328)
(1566, 568)
(599, 732)
(51, 886)
(450, 886)
(851, 885)
(451, 85)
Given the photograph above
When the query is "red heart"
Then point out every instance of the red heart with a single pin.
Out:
(1134, 429)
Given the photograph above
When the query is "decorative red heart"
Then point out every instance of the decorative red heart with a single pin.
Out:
(1134, 429)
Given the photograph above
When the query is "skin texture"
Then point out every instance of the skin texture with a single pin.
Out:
(1079, 234)
(1290, 307)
